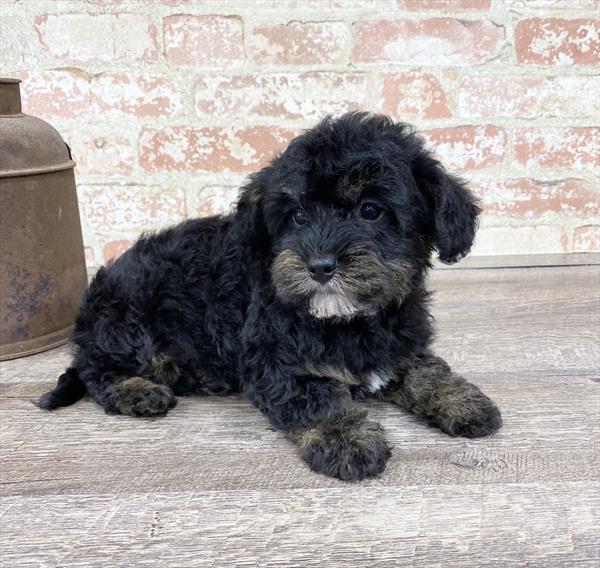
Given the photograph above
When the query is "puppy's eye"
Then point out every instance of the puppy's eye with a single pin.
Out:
(370, 211)
(299, 217)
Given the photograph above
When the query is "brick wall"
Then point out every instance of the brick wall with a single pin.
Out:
(168, 104)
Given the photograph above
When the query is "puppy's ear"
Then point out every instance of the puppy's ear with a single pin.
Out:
(249, 221)
(455, 208)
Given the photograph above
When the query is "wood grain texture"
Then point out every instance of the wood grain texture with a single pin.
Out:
(212, 484)
(521, 261)
(459, 525)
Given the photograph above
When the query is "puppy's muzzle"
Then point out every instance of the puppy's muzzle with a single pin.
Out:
(322, 269)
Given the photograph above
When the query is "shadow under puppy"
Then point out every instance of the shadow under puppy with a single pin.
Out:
(307, 299)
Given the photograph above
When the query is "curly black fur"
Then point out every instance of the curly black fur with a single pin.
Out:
(228, 304)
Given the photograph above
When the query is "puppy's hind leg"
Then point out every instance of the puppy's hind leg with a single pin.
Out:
(132, 396)
(138, 396)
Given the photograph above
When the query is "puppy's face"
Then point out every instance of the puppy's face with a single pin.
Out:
(341, 247)
(350, 214)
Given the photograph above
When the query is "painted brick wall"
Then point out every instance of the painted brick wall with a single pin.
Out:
(168, 104)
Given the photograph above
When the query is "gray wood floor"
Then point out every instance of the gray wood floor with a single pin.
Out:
(213, 485)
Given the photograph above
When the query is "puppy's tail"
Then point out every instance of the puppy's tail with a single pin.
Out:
(68, 390)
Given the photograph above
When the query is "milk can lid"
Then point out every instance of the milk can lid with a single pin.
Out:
(28, 145)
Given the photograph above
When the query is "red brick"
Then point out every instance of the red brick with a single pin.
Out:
(74, 94)
(98, 37)
(300, 43)
(119, 94)
(102, 154)
(132, 208)
(586, 238)
(439, 41)
(468, 147)
(413, 95)
(568, 148)
(204, 41)
(445, 5)
(185, 148)
(114, 249)
(546, 5)
(552, 41)
(491, 96)
(531, 199)
(289, 95)
(54, 94)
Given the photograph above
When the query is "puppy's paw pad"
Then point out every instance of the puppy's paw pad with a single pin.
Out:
(345, 449)
(461, 409)
(140, 397)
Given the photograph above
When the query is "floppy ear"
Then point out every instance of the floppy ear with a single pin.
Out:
(455, 208)
(249, 223)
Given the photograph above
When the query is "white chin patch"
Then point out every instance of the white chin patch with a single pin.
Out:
(329, 305)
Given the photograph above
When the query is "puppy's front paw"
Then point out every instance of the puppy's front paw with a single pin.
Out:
(346, 446)
(461, 409)
(137, 396)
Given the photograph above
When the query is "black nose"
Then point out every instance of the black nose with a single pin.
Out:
(322, 269)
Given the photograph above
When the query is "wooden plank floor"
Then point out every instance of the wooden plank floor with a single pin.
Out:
(213, 485)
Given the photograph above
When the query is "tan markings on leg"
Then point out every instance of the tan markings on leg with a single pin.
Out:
(422, 379)
(165, 369)
(134, 383)
(454, 400)
(304, 438)
(430, 389)
(345, 445)
(137, 396)
(416, 384)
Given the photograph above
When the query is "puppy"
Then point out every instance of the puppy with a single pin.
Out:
(309, 298)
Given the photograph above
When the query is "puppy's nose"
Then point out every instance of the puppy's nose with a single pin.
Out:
(322, 269)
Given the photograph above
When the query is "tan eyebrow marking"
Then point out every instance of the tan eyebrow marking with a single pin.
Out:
(350, 189)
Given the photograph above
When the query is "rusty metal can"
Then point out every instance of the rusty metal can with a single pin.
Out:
(42, 262)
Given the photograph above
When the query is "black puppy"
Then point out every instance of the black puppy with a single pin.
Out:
(308, 298)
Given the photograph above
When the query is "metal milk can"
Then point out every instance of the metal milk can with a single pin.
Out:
(42, 263)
